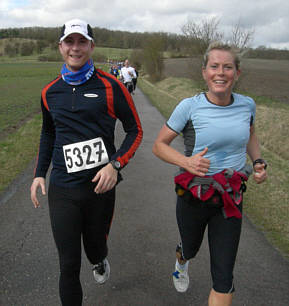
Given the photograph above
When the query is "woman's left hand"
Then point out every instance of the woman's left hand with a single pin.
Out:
(260, 173)
(106, 179)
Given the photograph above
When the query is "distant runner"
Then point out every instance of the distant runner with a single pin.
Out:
(114, 71)
(218, 130)
(127, 74)
(79, 110)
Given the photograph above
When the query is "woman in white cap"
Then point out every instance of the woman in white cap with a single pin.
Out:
(80, 109)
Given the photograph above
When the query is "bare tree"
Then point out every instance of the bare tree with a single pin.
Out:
(240, 37)
(200, 35)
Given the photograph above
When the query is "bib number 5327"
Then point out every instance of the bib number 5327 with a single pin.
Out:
(85, 155)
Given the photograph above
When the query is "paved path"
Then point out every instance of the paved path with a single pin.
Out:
(142, 242)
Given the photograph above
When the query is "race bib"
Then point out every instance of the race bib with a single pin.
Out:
(85, 155)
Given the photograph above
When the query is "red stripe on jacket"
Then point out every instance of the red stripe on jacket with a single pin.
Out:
(138, 139)
(109, 94)
(44, 90)
(126, 157)
(43, 96)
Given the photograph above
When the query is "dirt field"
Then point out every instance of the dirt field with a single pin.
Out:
(269, 78)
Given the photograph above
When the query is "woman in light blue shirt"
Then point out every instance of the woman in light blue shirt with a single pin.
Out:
(218, 129)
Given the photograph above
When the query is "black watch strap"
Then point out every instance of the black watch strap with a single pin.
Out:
(116, 164)
(260, 161)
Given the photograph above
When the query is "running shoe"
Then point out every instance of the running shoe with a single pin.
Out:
(181, 278)
(101, 271)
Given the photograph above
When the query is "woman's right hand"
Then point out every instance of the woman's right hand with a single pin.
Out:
(260, 173)
(37, 182)
(198, 164)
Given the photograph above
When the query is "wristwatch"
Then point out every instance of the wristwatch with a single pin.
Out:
(260, 161)
(115, 164)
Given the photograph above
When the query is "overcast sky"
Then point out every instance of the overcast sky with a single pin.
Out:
(268, 18)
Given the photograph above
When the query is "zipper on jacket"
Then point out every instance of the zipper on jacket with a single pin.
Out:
(73, 98)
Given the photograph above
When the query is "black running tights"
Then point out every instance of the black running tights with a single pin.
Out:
(77, 213)
(223, 236)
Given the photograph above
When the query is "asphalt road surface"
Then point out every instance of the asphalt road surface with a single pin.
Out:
(141, 244)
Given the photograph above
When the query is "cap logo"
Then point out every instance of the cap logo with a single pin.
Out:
(76, 26)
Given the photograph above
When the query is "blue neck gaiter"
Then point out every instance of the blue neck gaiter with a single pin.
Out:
(80, 76)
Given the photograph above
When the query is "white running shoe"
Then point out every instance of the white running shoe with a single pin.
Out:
(181, 279)
(101, 271)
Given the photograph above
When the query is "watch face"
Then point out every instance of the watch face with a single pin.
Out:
(116, 164)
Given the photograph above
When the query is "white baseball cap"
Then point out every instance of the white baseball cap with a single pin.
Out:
(76, 26)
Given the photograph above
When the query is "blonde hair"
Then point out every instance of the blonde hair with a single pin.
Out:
(217, 45)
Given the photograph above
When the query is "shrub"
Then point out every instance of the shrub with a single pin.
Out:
(10, 50)
(153, 62)
(27, 48)
(137, 59)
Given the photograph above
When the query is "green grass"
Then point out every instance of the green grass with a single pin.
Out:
(20, 87)
(17, 150)
(266, 204)
(164, 102)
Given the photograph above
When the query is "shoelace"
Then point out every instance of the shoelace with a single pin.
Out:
(178, 274)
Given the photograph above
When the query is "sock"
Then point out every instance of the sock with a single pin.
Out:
(182, 267)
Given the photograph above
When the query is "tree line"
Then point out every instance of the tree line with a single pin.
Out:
(193, 40)
(149, 47)
(102, 37)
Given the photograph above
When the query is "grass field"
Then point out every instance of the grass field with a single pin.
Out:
(265, 204)
(20, 86)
